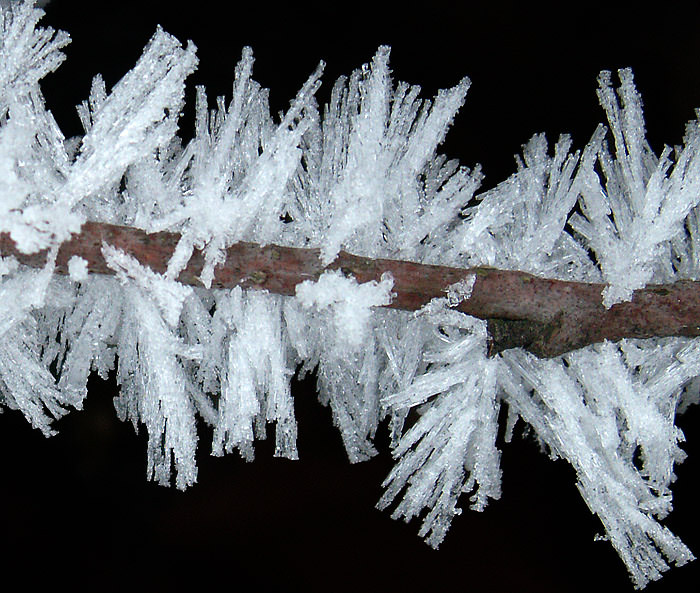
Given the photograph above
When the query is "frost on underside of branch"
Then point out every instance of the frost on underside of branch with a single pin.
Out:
(594, 411)
(451, 449)
(362, 174)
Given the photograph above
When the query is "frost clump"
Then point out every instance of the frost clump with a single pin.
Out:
(77, 269)
(360, 174)
(350, 303)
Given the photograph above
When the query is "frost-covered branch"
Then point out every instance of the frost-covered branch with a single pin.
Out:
(163, 244)
(547, 317)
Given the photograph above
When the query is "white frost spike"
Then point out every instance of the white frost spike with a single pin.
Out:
(155, 391)
(450, 450)
(27, 53)
(168, 294)
(88, 109)
(347, 381)
(641, 206)
(349, 301)
(254, 374)
(241, 167)
(24, 292)
(608, 480)
(25, 382)
(15, 143)
(637, 412)
(519, 225)
(32, 165)
(377, 141)
(138, 116)
(87, 328)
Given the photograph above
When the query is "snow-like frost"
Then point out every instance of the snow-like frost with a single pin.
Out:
(86, 333)
(241, 165)
(137, 117)
(167, 294)
(255, 373)
(363, 188)
(451, 449)
(351, 303)
(77, 269)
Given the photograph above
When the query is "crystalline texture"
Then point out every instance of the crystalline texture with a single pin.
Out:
(362, 191)
(155, 392)
(350, 302)
(27, 53)
(138, 116)
(363, 175)
(240, 169)
(644, 200)
(255, 374)
(578, 427)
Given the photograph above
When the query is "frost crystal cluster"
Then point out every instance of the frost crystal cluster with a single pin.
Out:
(361, 174)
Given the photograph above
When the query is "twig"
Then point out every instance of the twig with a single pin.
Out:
(547, 317)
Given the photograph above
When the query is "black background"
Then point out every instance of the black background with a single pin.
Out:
(77, 506)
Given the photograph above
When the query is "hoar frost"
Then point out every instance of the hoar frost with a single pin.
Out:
(349, 302)
(360, 174)
(77, 269)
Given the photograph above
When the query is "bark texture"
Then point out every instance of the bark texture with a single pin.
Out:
(545, 316)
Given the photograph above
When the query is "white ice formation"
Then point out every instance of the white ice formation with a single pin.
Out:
(363, 175)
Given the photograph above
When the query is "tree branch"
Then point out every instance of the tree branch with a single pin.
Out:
(547, 317)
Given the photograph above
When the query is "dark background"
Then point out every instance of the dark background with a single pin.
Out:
(77, 506)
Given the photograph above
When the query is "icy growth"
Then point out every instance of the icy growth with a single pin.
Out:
(336, 312)
(88, 334)
(33, 164)
(460, 291)
(42, 185)
(27, 53)
(154, 390)
(22, 292)
(25, 382)
(577, 419)
(249, 352)
(630, 217)
(363, 190)
(361, 174)
(520, 223)
(451, 449)
(351, 303)
(77, 269)
(241, 166)
(137, 117)
(154, 384)
(8, 265)
(166, 293)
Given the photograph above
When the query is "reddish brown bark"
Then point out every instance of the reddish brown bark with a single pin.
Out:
(547, 317)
